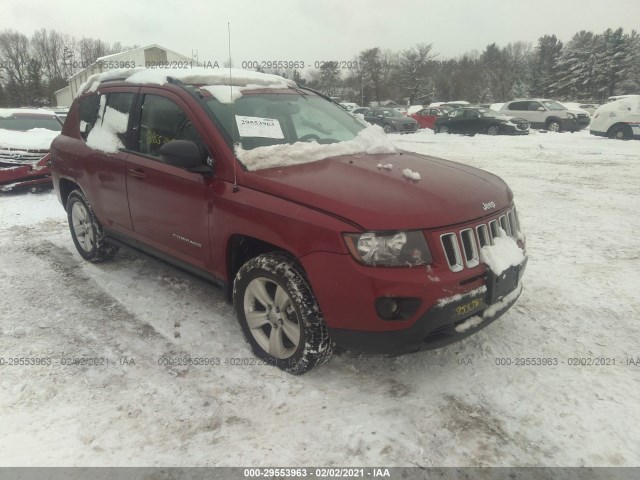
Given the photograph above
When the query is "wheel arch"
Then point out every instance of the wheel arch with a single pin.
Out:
(242, 248)
(619, 124)
(66, 187)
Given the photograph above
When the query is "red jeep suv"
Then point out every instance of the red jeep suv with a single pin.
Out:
(321, 232)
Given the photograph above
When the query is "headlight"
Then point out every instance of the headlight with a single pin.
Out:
(395, 249)
(570, 115)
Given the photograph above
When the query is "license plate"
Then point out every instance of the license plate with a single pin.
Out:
(500, 285)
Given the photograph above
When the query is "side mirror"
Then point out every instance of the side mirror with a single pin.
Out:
(181, 153)
(541, 109)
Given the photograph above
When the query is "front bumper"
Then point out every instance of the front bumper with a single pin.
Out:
(452, 305)
(573, 124)
(438, 327)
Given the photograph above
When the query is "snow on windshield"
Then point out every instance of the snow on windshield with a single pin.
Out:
(369, 140)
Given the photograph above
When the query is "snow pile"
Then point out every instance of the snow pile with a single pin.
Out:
(370, 140)
(387, 166)
(407, 172)
(230, 93)
(104, 135)
(504, 253)
(36, 138)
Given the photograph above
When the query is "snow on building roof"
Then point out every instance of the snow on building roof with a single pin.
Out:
(193, 76)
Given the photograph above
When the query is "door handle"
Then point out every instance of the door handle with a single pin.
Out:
(137, 173)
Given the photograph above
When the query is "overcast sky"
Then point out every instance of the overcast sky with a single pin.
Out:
(311, 30)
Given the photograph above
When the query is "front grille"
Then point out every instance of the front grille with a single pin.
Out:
(583, 115)
(462, 248)
(14, 156)
(410, 127)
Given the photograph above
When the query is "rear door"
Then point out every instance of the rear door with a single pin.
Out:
(521, 109)
(169, 205)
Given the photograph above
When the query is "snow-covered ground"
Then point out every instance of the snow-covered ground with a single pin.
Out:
(578, 198)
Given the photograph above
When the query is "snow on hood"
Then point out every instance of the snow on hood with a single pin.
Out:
(504, 253)
(35, 139)
(369, 140)
(192, 76)
(384, 199)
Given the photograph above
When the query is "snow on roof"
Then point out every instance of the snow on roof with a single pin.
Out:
(629, 102)
(192, 76)
(8, 112)
(369, 140)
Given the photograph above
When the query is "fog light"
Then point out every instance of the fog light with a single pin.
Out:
(394, 308)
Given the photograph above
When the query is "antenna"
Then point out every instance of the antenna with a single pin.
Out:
(233, 129)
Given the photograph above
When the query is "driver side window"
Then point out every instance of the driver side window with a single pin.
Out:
(162, 121)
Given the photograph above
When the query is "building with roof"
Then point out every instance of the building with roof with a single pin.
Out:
(149, 56)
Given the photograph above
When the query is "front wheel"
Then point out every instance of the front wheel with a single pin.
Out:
(279, 314)
(443, 129)
(554, 126)
(493, 130)
(86, 231)
(387, 128)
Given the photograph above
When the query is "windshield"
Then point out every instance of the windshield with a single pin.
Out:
(24, 122)
(260, 120)
(553, 105)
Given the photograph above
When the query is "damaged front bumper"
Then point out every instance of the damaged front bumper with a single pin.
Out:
(446, 322)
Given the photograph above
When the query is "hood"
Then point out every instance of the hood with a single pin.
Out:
(511, 119)
(34, 139)
(354, 188)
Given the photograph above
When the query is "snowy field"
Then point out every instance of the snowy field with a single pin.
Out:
(579, 200)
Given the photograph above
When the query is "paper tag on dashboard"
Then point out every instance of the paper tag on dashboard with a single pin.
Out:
(259, 127)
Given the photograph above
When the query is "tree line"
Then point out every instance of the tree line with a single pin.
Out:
(33, 68)
(589, 67)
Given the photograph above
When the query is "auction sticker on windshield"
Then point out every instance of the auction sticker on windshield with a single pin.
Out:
(259, 127)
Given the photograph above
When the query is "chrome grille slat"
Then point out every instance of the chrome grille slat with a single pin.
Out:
(463, 247)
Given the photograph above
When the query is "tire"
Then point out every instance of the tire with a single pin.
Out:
(493, 130)
(279, 314)
(86, 231)
(620, 132)
(443, 129)
(387, 129)
(554, 126)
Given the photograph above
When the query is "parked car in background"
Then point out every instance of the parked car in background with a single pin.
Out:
(452, 104)
(413, 109)
(547, 114)
(26, 135)
(589, 107)
(470, 121)
(391, 120)
(619, 119)
(360, 110)
(427, 117)
(35, 177)
(349, 106)
(25, 138)
(333, 237)
(574, 107)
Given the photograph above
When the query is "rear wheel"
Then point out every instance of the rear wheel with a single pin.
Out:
(493, 130)
(279, 314)
(86, 231)
(620, 132)
(554, 126)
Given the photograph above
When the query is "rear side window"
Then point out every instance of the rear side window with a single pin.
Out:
(88, 109)
(519, 106)
(120, 102)
(162, 121)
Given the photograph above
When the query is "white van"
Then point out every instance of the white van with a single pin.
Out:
(619, 119)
